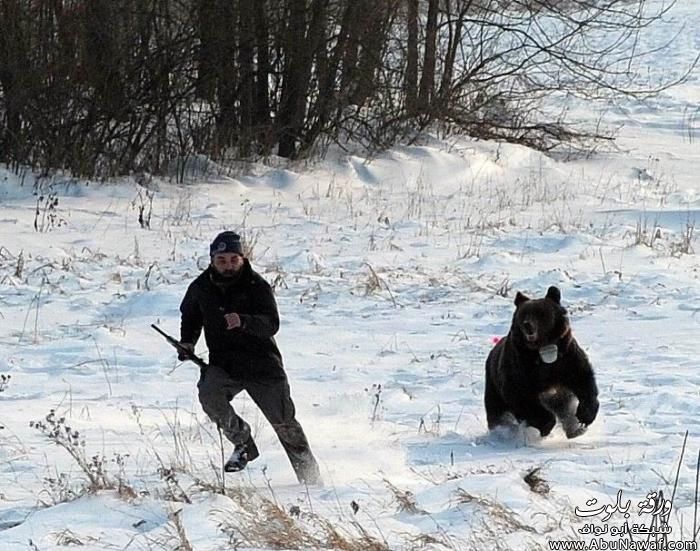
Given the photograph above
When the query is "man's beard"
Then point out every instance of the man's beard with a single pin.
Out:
(227, 277)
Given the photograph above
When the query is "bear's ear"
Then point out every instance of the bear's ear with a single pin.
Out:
(554, 294)
(520, 298)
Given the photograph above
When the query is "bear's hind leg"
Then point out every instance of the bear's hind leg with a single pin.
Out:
(541, 419)
(496, 408)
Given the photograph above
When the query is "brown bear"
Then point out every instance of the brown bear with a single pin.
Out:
(538, 373)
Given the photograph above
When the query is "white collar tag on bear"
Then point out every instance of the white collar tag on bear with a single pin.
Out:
(549, 353)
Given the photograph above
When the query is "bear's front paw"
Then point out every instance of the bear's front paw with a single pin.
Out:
(587, 411)
(575, 431)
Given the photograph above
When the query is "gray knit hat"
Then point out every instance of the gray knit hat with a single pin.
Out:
(226, 242)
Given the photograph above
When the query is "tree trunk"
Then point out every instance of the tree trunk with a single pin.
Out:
(375, 21)
(427, 81)
(300, 47)
(292, 85)
(246, 72)
(206, 54)
(261, 112)
(327, 71)
(455, 37)
(13, 64)
(351, 46)
(411, 75)
(227, 93)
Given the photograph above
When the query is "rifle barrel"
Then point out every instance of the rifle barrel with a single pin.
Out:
(190, 355)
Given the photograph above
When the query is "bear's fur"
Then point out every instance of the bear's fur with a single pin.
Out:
(520, 382)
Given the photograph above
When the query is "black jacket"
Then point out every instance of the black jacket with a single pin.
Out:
(249, 351)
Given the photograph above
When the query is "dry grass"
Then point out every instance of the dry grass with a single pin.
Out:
(375, 284)
(256, 521)
(684, 245)
(500, 518)
(183, 543)
(66, 538)
(405, 499)
(92, 466)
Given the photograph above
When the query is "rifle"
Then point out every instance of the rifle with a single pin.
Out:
(174, 342)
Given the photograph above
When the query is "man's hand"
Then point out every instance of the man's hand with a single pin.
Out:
(233, 320)
(181, 354)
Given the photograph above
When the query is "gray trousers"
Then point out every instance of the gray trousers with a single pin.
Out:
(216, 390)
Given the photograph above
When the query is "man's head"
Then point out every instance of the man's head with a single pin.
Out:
(226, 253)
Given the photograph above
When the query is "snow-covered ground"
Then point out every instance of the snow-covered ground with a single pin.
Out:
(392, 277)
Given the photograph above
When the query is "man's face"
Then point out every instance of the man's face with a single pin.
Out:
(227, 264)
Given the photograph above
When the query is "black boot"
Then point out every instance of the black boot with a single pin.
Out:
(241, 456)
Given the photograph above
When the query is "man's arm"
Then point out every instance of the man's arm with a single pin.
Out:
(191, 317)
(265, 320)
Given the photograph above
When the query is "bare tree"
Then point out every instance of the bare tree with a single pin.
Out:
(503, 59)
(166, 80)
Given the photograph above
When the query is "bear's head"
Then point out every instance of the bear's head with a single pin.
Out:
(539, 323)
